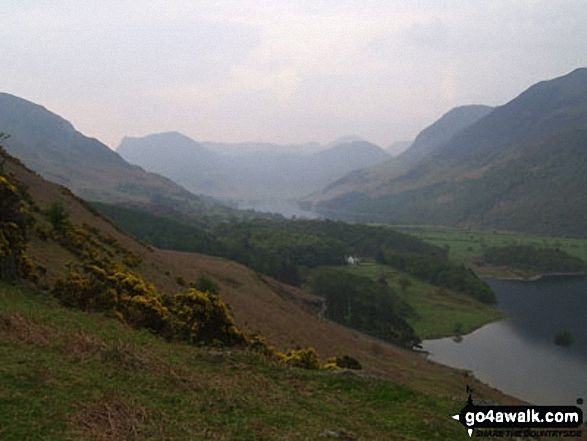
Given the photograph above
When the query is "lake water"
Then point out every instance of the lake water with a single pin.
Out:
(518, 355)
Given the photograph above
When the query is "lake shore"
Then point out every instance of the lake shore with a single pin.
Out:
(506, 273)
(538, 370)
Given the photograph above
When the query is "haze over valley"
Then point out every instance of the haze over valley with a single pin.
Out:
(248, 170)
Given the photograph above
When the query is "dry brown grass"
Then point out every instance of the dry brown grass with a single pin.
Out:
(16, 327)
(111, 417)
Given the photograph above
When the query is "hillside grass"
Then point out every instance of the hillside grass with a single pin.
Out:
(439, 312)
(71, 375)
(466, 246)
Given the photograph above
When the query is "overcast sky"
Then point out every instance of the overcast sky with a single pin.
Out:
(280, 71)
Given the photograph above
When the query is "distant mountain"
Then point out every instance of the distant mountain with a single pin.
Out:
(369, 179)
(51, 146)
(191, 165)
(398, 147)
(251, 148)
(521, 167)
(249, 171)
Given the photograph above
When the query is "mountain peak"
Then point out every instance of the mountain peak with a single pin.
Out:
(14, 111)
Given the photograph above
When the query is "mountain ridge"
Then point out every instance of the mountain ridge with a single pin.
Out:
(508, 170)
(430, 138)
(254, 174)
(51, 145)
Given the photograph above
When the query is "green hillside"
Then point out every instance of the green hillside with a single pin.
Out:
(94, 378)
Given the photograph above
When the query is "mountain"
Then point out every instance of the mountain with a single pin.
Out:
(50, 145)
(521, 167)
(249, 171)
(191, 165)
(398, 147)
(251, 148)
(368, 179)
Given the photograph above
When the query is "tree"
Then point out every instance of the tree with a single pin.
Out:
(57, 216)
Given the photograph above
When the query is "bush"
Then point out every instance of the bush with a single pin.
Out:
(15, 219)
(200, 317)
(564, 338)
(347, 362)
(57, 216)
(300, 358)
(205, 284)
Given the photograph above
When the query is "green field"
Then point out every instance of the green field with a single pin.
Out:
(439, 312)
(69, 375)
(467, 245)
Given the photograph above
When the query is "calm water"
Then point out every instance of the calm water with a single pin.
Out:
(517, 355)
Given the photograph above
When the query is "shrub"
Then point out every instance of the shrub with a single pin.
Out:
(330, 366)
(200, 317)
(347, 362)
(300, 358)
(57, 216)
(205, 284)
(15, 219)
(564, 338)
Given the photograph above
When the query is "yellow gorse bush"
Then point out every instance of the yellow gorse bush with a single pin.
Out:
(15, 219)
(200, 317)
(192, 316)
(301, 358)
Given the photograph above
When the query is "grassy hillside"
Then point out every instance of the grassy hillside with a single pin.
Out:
(97, 379)
(437, 312)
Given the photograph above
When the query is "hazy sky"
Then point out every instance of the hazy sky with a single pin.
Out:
(280, 71)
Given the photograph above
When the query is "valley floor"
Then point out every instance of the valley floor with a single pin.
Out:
(466, 246)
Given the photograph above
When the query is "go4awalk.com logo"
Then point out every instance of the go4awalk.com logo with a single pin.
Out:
(520, 421)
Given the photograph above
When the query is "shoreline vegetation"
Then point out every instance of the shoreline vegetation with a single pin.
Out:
(534, 278)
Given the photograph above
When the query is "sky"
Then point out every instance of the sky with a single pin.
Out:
(280, 71)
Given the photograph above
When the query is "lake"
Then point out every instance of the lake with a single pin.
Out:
(518, 355)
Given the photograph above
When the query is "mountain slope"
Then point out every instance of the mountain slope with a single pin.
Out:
(398, 147)
(522, 167)
(51, 146)
(369, 179)
(97, 379)
(248, 171)
(283, 314)
(190, 164)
